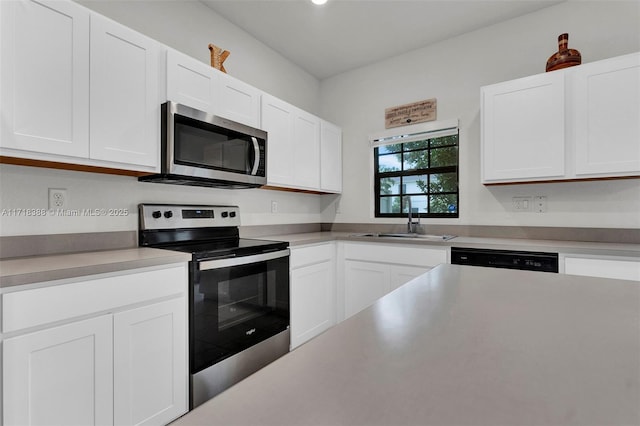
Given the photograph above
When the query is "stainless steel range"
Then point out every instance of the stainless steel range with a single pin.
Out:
(239, 292)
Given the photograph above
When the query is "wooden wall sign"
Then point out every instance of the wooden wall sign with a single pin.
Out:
(417, 112)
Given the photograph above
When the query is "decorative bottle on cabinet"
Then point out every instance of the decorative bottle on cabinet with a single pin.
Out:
(564, 57)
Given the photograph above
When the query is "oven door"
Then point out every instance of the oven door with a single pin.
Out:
(235, 304)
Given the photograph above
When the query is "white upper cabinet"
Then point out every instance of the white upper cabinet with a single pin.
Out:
(200, 86)
(576, 123)
(44, 81)
(237, 101)
(277, 121)
(330, 157)
(191, 82)
(306, 135)
(77, 88)
(124, 107)
(523, 129)
(303, 151)
(606, 120)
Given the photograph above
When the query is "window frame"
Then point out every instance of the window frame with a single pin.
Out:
(429, 171)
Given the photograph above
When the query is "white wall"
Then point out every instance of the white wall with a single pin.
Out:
(453, 72)
(27, 188)
(188, 26)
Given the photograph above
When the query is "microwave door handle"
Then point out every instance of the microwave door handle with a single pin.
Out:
(256, 156)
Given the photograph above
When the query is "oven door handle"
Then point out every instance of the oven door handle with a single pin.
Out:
(244, 260)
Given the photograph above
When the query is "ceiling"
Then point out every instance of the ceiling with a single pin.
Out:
(347, 34)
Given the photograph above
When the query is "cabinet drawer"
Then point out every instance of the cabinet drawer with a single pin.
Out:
(31, 308)
(622, 269)
(301, 256)
(396, 254)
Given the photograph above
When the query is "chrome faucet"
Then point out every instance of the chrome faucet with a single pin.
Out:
(410, 225)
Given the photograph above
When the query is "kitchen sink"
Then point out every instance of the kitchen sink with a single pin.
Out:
(429, 237)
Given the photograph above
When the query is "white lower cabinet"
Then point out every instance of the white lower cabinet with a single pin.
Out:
(103, 350)
(313, 295)
(617, 267)
(368, 271)
(60, 376)
(150, 363)
(365, 282)
(402, 274)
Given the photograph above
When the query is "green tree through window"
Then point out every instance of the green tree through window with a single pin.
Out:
(424, 170)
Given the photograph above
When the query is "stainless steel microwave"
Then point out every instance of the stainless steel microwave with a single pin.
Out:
(201, 149)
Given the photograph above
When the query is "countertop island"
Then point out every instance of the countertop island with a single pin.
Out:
(459, 345)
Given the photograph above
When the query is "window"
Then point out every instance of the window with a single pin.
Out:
(422, 172)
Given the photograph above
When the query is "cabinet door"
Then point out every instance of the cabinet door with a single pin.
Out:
(364, 283)
(277, 121)
(306, 137)
(237, 100)
(523, 129)
(606, 103)
(150, 364)
(44, 77)
(330, 157)
(62, 375)
(191, 82)
(312, 301)
(125, 109)
(400, 274)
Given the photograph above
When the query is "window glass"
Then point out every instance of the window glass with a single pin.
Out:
(390, 205)
(424, 171)
(389, 163)
(443, 182)
(388, 149)
(443, 204)
(390, 185)
(441, 157)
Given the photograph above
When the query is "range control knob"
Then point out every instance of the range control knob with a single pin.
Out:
(225, 214)
(156, 214)
(232, 214)
(168, 214)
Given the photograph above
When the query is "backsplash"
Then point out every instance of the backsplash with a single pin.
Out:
(116, 199)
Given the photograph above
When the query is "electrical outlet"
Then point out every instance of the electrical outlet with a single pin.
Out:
(540, 204)
(274, 207)
(58, 198)
(338, 209)
(521, 204)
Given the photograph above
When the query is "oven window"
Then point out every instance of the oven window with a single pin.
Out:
(234, 308)
(244, 298)
(206, 145)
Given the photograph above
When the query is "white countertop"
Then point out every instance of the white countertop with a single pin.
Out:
(459, 345)
(34, 269)
(557, 246)
(27, 270)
